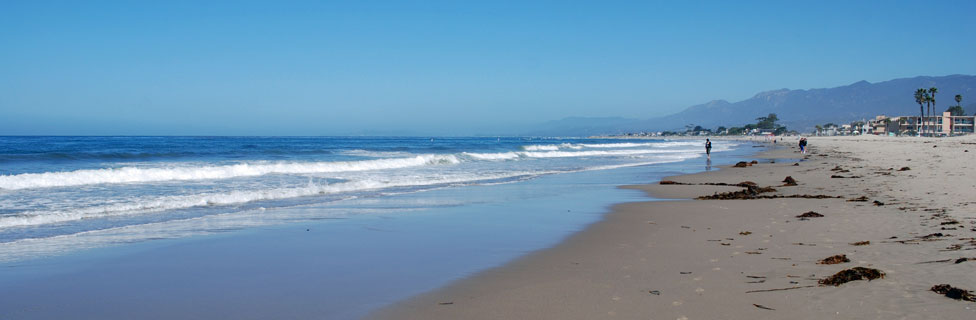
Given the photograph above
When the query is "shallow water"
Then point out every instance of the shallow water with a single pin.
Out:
(325, 259)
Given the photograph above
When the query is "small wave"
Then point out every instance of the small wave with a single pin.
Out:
(540, 148)
(136, 175)
(566, 154)
(156, 204)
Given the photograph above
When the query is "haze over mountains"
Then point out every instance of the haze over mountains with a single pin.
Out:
(799, 110)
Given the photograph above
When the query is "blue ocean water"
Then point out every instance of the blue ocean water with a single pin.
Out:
(63, 194)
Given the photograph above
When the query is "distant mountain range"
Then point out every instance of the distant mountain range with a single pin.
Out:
(799, 110)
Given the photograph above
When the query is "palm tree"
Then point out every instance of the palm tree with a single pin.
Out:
(932, 91)
(920, 99)
(959, 100)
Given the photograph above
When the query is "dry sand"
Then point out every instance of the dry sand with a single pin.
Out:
(710, 259)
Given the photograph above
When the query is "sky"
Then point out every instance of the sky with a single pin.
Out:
(440, 68)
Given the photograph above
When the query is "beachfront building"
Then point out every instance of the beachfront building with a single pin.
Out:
(944, 125)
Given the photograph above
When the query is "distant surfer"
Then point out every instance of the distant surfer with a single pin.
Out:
(708, 148)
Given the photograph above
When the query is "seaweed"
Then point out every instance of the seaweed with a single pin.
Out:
(750, 192)
(840, 258)
(954, 293)
(810, 214)
(860, 243)
(859, 199)
(789, 181)
(852, 274)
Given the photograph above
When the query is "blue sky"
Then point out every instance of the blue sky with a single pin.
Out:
(440, 68)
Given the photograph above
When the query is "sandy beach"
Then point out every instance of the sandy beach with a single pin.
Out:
(911, 219)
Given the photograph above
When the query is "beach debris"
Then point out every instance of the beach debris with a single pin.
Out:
(746, 184)
(954, 247)
(934, 235)
(852, 274)
(745, 233)
(802, 196)
(935, 261)
(669, 182)
(860, 243)
(840, 258)
(810, 214)
(780, 289)
(655, 292)
(753, 252)
(685, 272)
(904, 169)
(446, 303)
(753, 162)
(961, 260)
(878, 203)
(749, 193)
(954, 293)
(796, 164)
(741, 164)
(725, 244)
(762, 307)
(953, 221)
(859, 199)
(789, 181)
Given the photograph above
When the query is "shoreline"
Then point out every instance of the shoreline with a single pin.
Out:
(326, 268)
(687, 259)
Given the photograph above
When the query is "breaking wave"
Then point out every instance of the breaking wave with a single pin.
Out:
(136, 174)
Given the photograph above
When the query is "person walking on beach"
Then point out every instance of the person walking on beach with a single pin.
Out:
(803, 145)
(708, 148)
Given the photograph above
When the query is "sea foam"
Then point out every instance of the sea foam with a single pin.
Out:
(136, 174)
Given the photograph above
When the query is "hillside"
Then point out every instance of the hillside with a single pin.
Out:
(797, 109)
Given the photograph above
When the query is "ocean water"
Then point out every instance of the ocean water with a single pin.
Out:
(324, 227)
(62, 194)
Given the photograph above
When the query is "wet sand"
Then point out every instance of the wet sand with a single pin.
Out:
(744, 259)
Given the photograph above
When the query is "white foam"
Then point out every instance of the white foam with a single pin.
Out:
(136, 175)
(493, 156)
(155, 204)
(540, 147)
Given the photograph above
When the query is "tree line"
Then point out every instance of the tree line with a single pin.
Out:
(925, 98)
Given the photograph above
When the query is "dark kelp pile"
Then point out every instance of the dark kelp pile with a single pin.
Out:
(954, 293)
(840, 258)
(750, 192)
(852, 274)
(789, 181)
(810, 214)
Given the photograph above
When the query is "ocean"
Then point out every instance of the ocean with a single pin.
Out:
(53, 189)
(294, 227)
